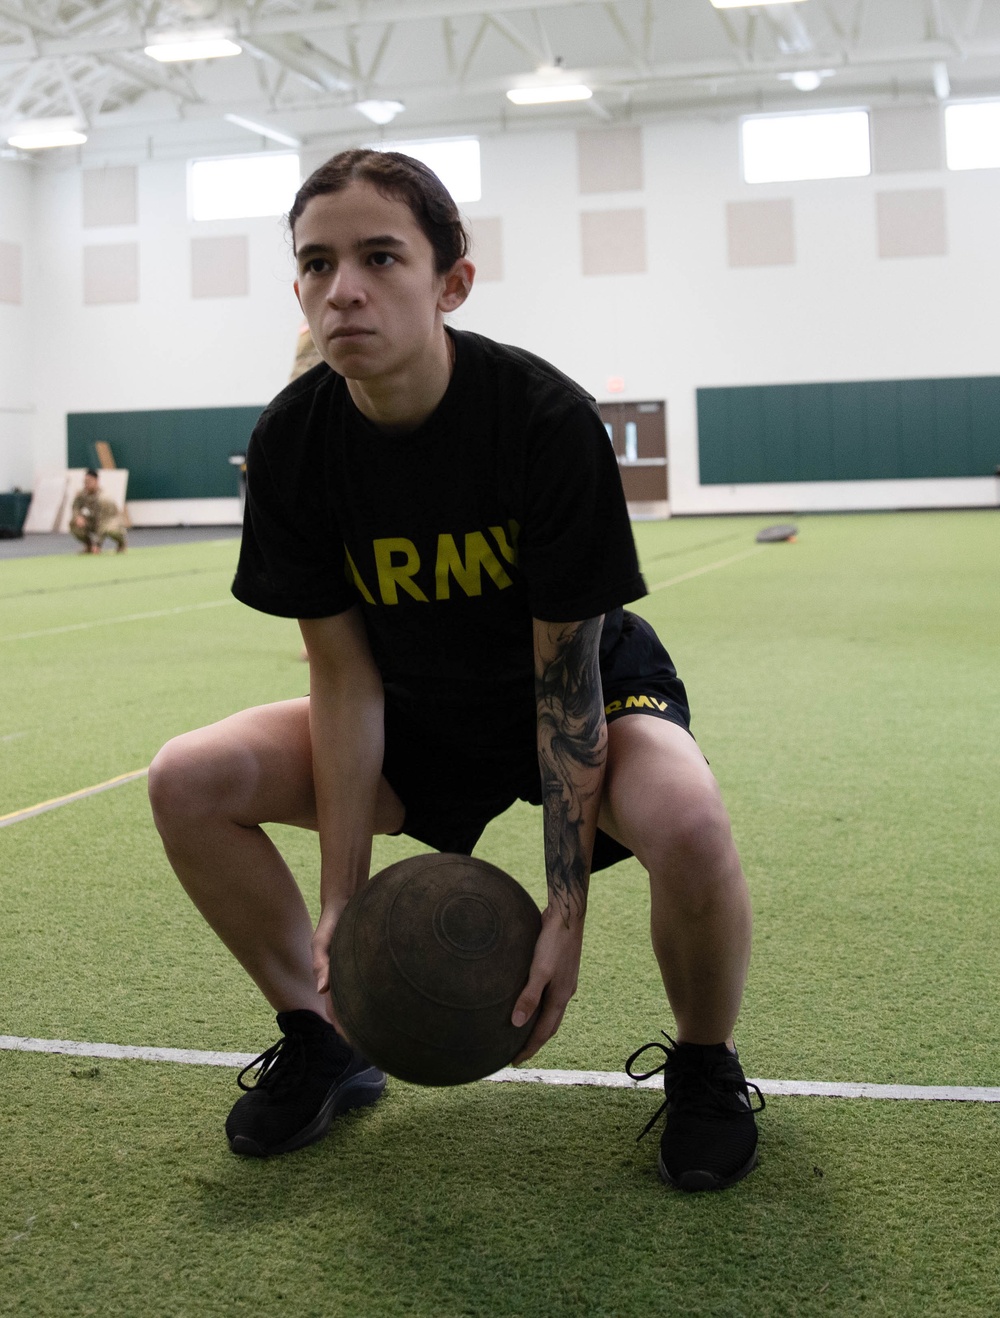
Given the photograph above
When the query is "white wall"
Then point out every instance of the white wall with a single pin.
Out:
(168, 350)
(16, 389)
(839, 313)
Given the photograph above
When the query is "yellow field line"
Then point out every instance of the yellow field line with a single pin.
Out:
(17, 815)
(138, 773)
(108, 622)
(699, 571)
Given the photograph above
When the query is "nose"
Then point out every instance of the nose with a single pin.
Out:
(346, 287)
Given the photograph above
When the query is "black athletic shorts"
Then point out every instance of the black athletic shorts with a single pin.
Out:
(451, 796)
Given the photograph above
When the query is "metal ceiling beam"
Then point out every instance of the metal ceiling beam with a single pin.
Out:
(377, 58)
(20, 89)
(973, 13)
(789, 28)
(740, 44)
(174, 84)
(53, 40)
(72, 95)
(398, 11)
(296, 54)
(847, 28)
(677, 78)
(517, 38)
(639, 57)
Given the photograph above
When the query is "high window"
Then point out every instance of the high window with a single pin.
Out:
(242, 187)
(782, 148)
(972, 135)
(455, 161)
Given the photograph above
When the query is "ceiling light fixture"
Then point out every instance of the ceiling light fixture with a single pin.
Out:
(752, 4)
(40, 134)
(807, 80)
(263, 130)
(552, 94)
(171, 47)
(380, 112)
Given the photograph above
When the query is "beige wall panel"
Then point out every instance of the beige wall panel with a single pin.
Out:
(220, 266)
(912, 223)
(761, 232)
(613, 242)
(111, 273)
(109, 197)
(907, 138)
(10, 273)
(487, 248)
(610, 160)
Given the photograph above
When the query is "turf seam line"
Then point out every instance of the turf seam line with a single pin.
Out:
(709, 567)
(111, 581)
(110, 622)
(695, 548)
(516, 1075)
(44, 806)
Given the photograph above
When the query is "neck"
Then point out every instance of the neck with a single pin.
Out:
(403, 402)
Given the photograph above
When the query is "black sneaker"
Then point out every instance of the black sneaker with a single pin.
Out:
(303, 1082)
(711, 1136)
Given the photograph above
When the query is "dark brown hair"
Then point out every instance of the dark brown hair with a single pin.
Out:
(402, 178)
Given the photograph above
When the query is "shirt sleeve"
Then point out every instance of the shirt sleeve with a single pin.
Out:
(292, 559)
(576, 548)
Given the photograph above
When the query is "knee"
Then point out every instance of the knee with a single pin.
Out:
(690, 854)
(191, 781)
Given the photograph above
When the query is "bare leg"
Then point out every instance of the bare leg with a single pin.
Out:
(210, 791)
(662, 801)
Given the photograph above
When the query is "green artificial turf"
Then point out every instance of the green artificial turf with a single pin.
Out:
(485, 1201)
(846, 689)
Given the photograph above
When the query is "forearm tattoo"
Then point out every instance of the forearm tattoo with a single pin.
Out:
(572, 739)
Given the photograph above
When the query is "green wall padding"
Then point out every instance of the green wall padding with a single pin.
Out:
(867, 430)
(180, 454)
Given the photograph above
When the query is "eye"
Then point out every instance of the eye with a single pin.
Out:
(382, 259)
(316, 266)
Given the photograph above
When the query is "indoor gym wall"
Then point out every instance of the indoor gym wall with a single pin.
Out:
(867, 430)
(181, 454)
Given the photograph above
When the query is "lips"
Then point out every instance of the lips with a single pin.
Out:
(350, 332)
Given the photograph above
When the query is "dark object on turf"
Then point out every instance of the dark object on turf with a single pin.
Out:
(771, 534)
(303, 1081)
(710, 1140)
(426, 964)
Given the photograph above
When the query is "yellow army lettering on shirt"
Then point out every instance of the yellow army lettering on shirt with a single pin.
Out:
(635, 702)
(399, 566)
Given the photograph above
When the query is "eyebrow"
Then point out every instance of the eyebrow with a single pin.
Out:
(383, 240)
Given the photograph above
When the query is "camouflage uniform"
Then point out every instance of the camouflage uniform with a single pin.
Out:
(101, 519)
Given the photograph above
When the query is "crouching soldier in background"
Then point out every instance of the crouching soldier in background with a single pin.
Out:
(96, 517)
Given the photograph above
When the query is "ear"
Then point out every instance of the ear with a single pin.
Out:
(457, 285)
(297, 295)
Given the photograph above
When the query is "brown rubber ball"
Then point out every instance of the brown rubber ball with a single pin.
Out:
(427, 961)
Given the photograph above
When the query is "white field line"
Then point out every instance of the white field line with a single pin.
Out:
(30, 811)
(509, 1075)
(710, 567)
(110, 622)
(513, 1075)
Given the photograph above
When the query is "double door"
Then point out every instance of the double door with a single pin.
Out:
(638, 432)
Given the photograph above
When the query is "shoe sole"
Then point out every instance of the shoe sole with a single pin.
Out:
(362, 1090)
(693, 1181)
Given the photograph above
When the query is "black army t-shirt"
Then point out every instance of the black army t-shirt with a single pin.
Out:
(506, 504)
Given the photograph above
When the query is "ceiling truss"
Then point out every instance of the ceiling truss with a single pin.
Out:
(306, 63)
